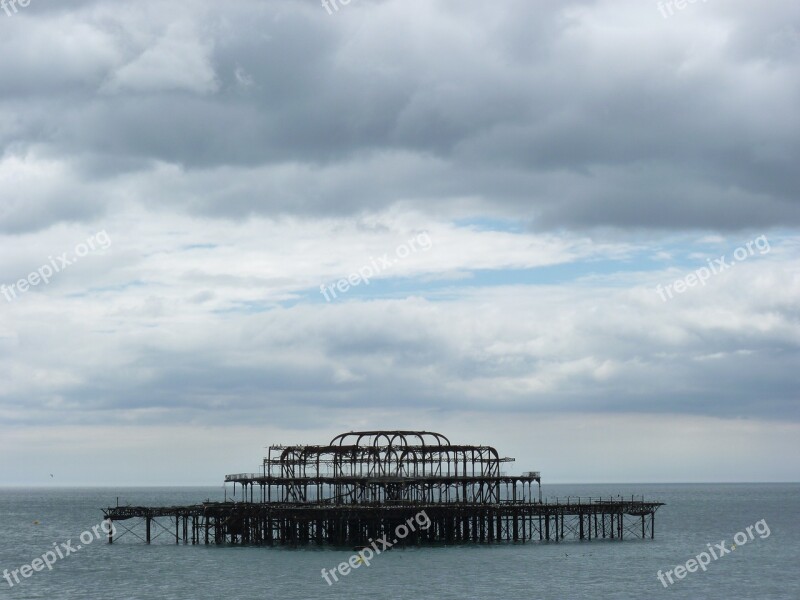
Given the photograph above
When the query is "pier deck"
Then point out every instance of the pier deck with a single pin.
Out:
(271, 524)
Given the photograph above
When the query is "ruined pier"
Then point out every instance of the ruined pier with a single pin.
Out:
(362, 486)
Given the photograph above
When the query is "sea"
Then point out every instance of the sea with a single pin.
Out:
(35, 521)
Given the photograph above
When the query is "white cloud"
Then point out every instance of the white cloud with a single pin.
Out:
(177, 60)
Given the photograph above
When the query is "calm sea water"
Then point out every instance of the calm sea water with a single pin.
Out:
(695, 515)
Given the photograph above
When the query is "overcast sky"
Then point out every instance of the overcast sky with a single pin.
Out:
(520, 185)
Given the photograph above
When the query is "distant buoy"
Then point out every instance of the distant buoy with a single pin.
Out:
(36, 522)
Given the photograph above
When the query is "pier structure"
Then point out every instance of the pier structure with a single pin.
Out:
(363, 485)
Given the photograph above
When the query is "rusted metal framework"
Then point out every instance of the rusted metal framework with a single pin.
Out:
(386, 468)
(362, 485)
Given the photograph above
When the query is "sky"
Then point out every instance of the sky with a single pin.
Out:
(569, 230)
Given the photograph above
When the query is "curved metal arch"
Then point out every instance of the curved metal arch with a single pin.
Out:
(425, 437)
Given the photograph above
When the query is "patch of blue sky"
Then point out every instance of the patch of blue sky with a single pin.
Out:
(492, 224)
(401, 287)
(199, 246)
(684, 253)
(120, 287)
(249, 307)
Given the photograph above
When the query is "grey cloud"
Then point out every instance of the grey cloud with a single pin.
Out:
(571, 115)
